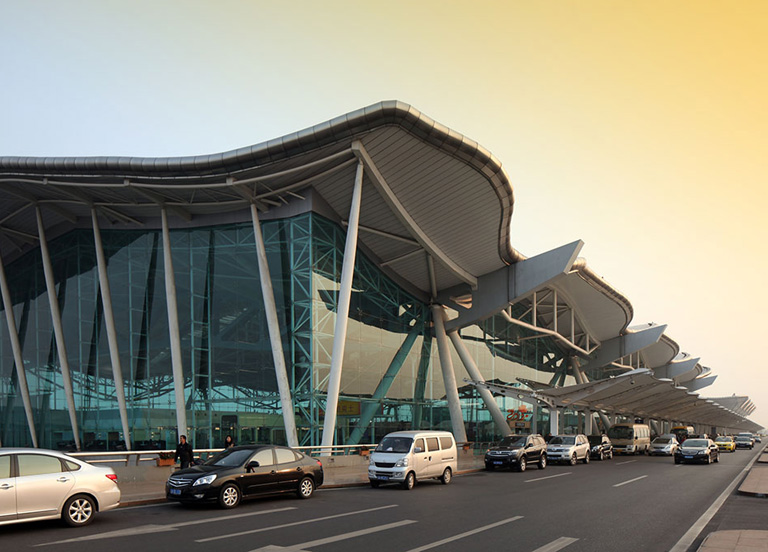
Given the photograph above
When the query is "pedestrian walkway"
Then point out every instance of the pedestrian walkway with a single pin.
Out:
(735, 541)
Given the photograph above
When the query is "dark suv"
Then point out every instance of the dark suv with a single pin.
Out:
(600, 447)
(517, 451)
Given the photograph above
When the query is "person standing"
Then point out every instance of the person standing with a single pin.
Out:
(229, 442)
(184, 452)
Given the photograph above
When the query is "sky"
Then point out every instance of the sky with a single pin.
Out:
(637, 127)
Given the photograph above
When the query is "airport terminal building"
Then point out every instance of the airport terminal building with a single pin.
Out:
(323, 288)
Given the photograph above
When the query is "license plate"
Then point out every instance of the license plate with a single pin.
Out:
(498, 462)
(689, 457)
(382, 477)
(175, 491)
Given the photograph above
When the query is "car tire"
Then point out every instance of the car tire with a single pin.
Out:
(610, 455)
(586, 458)
(574, 460)
(542, 462)
(78, 511)
(447, 476)
(717, 458)
(306, 488)
(410, 481)
(522, 464)
(229, 496)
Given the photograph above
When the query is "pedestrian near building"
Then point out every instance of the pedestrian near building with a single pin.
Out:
(184, 452)
(229, 442)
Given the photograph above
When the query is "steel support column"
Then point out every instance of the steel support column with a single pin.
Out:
(109, 322)
(449, 377)
(17, 358)
(268, 294)
(370, 407)
(58, 329)
(605, 420)
(554, 420)
(490, 403)
(342, 314)
(588, 415)
(421, 381)
(173, 328)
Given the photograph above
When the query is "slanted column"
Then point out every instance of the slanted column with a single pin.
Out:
(109, 321)
(173, 328)
(17, 358)
(490, 403)
(58, 329)
(606, 422)
(342, 314)
(449, 377)
(267, 293)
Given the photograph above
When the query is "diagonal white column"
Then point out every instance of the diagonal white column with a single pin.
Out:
(173, 327)
(58, 329)
(109, 321)
(17, 358)
(474, 373)
(342, 313)
(449, 377)
(283, 385)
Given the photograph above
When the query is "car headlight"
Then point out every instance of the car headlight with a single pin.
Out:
(207, 480)
(371, 461)
(403, 462)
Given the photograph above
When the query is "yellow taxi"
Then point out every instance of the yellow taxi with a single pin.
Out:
(725, 442)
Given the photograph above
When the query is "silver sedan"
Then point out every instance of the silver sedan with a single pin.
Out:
(38, 484)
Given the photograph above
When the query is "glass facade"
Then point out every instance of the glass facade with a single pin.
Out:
(391, 377)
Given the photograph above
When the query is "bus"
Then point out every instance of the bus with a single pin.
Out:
(630, 438)
(682, 432)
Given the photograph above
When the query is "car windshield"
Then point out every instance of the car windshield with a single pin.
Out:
(662, 440)
(595, 439)
(694, 443)
(621, 432)
(512, 441)
(740, 438)
(725, 439)
(395, 444)
(558, 440)
(230, 458)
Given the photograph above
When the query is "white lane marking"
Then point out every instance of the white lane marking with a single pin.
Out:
(621, 463)
(548, 477)
(686, 540)
(324, 518)
(631, 481)
(556, 545)
(155, 528)
(462, 535)
(337, 538)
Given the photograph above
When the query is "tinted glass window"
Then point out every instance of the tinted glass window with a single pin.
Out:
(36, 464)
(284, 456)
(395, 444)
(230, 458)
(71, 466)
(445, 443)
(5, 466)
(558, 440)
(419, 444)
(512, 440)
(264, 457)
(432, 444)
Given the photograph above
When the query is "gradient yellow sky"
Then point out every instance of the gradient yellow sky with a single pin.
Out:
(637, 126)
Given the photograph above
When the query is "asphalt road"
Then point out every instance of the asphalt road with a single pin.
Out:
(628, 504)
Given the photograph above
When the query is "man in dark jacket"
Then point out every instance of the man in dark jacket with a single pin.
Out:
(184, 453)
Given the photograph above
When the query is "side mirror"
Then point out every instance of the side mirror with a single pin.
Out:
(251, 465)
(417, 450)
(529, 445)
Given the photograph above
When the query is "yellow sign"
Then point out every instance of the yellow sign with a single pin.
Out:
(348, 408)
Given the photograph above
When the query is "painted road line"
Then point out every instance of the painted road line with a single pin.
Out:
(631, 481)
(462, 535)
(273, 527)
(622, 463)
(556, 545)
(155, 528)
(337, 538)
(686, 540)
(548, 477)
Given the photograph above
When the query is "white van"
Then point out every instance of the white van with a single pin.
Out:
(405, 457)
(630, 438)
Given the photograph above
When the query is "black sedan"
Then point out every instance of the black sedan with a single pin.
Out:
(697, 450)
(600, 447)
(244, 472)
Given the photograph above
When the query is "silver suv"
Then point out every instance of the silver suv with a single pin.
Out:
(568, 448)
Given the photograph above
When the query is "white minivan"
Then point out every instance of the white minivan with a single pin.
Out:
(405, 457)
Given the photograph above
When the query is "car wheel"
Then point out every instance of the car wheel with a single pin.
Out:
(229, 496)
(410, 481)
(78, 511)
(574, 459)
(446, 477)
(610, 455)
(709, 458)
(586, 458)
(543, 461)
(375, 484)
(522, 464)
(306, 488)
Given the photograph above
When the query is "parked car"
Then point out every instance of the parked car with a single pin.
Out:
(245, 472)
(726, 442)
(37, 484)
(664, 445)
(600, 447)
(406, 457)
(698, 450)
(743, 441)
(517, 451)
(568, 448)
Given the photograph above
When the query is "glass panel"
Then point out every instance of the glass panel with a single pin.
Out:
(37, 464)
